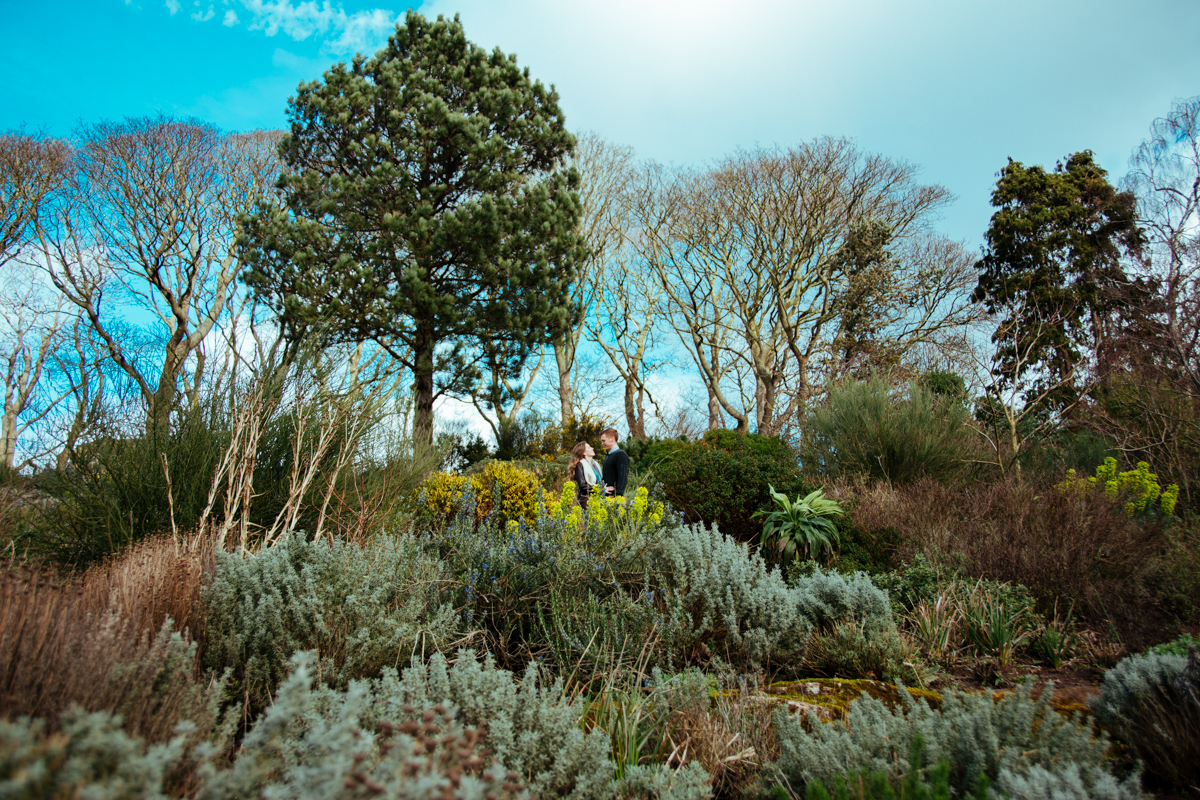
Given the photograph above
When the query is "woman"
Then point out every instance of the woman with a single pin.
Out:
(584, 471)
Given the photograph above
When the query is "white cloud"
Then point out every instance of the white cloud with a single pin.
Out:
(340, 33)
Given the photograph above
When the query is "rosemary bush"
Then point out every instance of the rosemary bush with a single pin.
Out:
(1152, 703)
(979, 734)
(359, 608)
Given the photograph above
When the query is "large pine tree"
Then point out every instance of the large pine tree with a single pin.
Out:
(424, 206)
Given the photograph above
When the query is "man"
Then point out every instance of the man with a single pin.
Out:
(615, 472)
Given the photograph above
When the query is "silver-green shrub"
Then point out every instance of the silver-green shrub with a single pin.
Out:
(718, 594)
(477, 730)
(90, 757)
(359, 608)
(978, 733)
(661, 782)
(855, 632)
(1065, 782)
(1152, 703)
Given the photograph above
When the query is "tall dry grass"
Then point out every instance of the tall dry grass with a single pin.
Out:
(108, 640)
(1056, 541)
(156, 579)
(55, 654)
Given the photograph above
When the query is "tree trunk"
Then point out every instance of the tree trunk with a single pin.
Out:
(423, 388)
(635, 415)
(564, 358)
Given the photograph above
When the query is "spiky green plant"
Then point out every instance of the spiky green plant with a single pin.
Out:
(799, 529)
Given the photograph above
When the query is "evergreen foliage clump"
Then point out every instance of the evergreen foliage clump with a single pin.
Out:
(661, 782)
(861, 429)
(359, 608)
(1152, 703)
(470, 730)
(980, 734)
(724, 479)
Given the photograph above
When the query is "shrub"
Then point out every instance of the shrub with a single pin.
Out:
(359, 608)
(660, 782)
(724, 479)
(1055, 541)
(918, 784)
(1178, 647)
(854, 633)
(114, 491)
(719, 598)
(980, 734)
(862, 430)
(800, 530)
(466, 730)
(1152, 703)
(1139, 487)
(91, 757)
(443, 495)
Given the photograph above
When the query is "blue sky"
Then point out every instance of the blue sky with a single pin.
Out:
(956, 87)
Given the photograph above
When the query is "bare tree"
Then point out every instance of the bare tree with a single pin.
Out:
(1165, 177)
(605, 170)
(152, 221)
(31, 170)
(628, 310)
(752, 262)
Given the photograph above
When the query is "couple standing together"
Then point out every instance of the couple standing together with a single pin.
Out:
(590, 477)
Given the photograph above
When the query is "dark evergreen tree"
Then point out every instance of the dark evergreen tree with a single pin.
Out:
(424, 206)
(1052, 270)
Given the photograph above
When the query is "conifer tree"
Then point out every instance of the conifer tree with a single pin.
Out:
(425, 206)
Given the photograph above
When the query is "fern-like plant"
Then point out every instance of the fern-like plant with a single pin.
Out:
(799, 529)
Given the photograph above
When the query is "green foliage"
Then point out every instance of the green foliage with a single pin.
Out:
(1152, 703)
(554, 439)
(430, 167)
(861, 429)
(854, 631)
(918, 784)
(1052, 263)
(90, 757)
(995, 626)
(1139, 486)
(799, 530)
(946, 385)
(660, 782)
(724, 479)
(529, 725)
(1066, 782)
(717, 595)
(113, 492)
(981, 735)
(647, 454)
(360, 609)
(1178, 647)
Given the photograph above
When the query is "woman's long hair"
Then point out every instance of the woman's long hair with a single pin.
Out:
(577, 455)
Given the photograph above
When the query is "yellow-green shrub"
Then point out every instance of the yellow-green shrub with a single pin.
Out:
(1140, 485)
(439, 496)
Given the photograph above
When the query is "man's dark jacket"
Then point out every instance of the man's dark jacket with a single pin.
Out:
(615, 471)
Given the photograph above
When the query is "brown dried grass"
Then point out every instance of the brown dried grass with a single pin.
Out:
(56, 654)
(732, 738)
(107, 640)
(156, 579)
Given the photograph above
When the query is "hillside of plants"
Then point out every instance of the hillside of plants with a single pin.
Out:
(901, 522)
